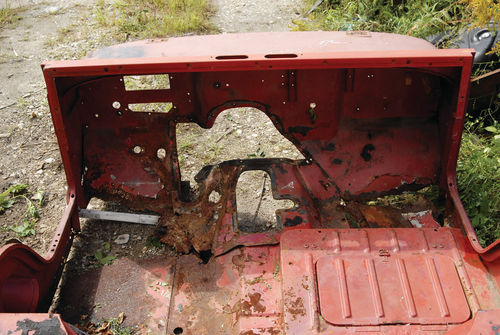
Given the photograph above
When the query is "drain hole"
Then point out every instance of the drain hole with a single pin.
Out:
(178, 330)
(255, 203)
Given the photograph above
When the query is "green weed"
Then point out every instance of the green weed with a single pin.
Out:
(21, 103)
(154, 18)
(415, 18)
(259, 153)
(116, 328)
(478, 174)
(102, 256)
(11, 195)
(25, 229)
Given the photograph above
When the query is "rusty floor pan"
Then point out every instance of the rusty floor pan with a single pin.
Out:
(345, 281)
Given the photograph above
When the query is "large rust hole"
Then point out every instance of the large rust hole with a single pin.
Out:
(255, 203)
(238, 133)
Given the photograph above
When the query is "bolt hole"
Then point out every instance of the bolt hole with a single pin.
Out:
(72, 195)
(138, 149)
(435, 229)
(116, 104)
(178, 330)
(161, 153)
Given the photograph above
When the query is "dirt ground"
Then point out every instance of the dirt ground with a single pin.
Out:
(55, 29)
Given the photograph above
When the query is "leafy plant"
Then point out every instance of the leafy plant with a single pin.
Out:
(102, 255)
(25, 229)
(478, 173)
(9, 197)
(155, 242)
(116, 328)
(5, 202)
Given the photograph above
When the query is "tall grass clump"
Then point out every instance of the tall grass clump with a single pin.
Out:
(134, 19)
(9, 15)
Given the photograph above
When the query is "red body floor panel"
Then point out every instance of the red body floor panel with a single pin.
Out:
(289, 289)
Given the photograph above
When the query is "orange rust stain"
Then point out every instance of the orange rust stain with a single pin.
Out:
(296, 308)
(180, 280)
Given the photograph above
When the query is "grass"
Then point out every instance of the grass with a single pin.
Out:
(412, 17)
(154, 18)
(115, 21)
(9, 16)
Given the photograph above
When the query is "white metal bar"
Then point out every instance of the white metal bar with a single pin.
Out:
(117, 216)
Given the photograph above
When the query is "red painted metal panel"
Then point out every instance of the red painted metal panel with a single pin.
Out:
(372, 277)
(367, 290)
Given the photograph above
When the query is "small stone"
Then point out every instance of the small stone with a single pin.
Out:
(122, 239)
(52, 10)
(46, 163)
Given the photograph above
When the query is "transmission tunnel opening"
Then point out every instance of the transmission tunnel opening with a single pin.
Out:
(237, 134)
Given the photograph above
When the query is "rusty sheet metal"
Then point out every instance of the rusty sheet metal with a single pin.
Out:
(368, 123)
(289, 289)
(366, 129)
(341, 145)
